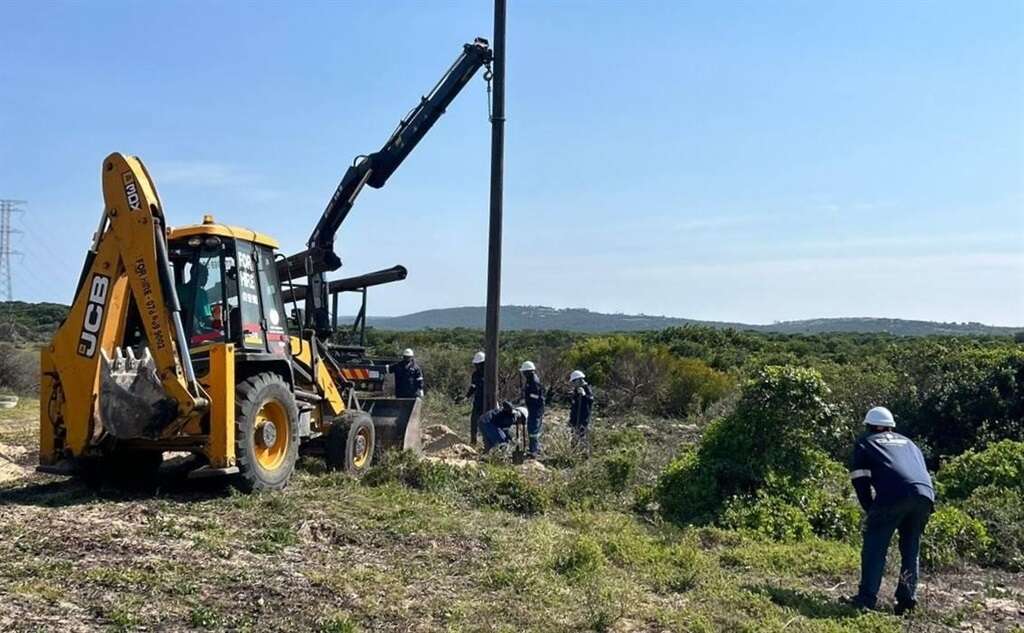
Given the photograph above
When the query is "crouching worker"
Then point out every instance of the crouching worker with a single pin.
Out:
(495, 424)
(582, 406)
(533, 396)
(894, 468)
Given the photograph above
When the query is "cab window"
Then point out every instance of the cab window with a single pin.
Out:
(200, 286)
(251, 330)
(273, 306)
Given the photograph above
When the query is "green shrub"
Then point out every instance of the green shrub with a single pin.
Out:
(582, 560)
(605, 478)
(506, 489)
(953, 537)
(408, 469)
(960, 395)
(772, 440)
(1001, 465)
(767, 515)
(634, 375)
(1001, 510)
(686, 491)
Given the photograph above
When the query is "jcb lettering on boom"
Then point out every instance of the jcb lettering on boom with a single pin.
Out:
(94, 307)
(131, 190)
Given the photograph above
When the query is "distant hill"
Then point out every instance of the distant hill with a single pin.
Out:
(582, 320)
(22, 322)
(36, 322)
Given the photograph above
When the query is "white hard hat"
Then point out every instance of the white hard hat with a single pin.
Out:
(407, 353)
(879, 416)
(576, 375)
(528, 366)
(478, 358)
(523, 413)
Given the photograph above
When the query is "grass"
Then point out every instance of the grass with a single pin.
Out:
(434, 550)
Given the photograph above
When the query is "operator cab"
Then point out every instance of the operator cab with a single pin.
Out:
(227, 285)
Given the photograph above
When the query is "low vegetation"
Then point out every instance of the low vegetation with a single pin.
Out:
(715, 498)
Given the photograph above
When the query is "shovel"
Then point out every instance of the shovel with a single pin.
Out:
(133, 403)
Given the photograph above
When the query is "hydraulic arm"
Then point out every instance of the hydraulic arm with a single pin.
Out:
(141, 395)
(374, 170)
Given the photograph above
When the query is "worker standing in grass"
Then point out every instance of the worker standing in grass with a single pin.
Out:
(533, 397)
(581, 408)
(408, 376)
(495, 424)
(903, 500)
(476, 391)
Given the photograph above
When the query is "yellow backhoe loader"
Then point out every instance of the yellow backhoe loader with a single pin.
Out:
(178, 340)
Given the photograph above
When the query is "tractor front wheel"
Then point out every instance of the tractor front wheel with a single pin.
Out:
(266, 433)
(351, 443)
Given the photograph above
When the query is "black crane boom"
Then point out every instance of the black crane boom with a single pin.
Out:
(376, 168)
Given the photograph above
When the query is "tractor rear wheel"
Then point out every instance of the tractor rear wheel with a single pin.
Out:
(350, 443)
(266, 432)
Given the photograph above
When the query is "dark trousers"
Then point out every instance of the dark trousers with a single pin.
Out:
(534, 426)
(494, 435)
(907, 516)
(580, 436)
(474, 428)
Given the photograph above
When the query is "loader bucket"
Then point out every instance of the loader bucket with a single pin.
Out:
(396, 422)
(133, 403)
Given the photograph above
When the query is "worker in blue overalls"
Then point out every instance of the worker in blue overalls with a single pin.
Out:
(533, 397)
(476, 391)
(892, 466)
(581, 406)
(495, 424)
(408, 376)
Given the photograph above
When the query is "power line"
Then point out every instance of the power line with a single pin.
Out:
(7, 208)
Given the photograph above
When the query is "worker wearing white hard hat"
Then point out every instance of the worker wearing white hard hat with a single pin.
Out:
(476, 391)
(533, 396)
(581, 408)
(892, 467)
(408, 376)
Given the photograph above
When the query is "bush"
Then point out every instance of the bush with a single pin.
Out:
(19, 370)
(773, 435)
(687, 490)
(496, 487)
(407, 469)
(582, 560)
(1001, 510)
(638, 376)
(953, 537)
(602, 480)
(960, 395)
(1000, 465)
(506, 489)
(767, 515)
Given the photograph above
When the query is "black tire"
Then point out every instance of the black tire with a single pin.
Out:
(265, 456)
(351, 443)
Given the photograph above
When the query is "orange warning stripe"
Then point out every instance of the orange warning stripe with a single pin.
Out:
(355, 373)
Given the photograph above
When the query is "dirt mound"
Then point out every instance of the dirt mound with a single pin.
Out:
(441, 441)
(9, 469)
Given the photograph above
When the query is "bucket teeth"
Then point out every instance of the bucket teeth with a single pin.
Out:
(133, 403)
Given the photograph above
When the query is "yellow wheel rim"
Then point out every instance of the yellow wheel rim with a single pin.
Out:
(361, 448)
(271, 436)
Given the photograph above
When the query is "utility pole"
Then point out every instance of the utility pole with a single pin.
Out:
(7, 209)
(494, 241)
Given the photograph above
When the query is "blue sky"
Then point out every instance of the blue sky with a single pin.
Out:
(738, 161)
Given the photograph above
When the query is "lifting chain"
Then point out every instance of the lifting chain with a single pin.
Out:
(488, 76)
